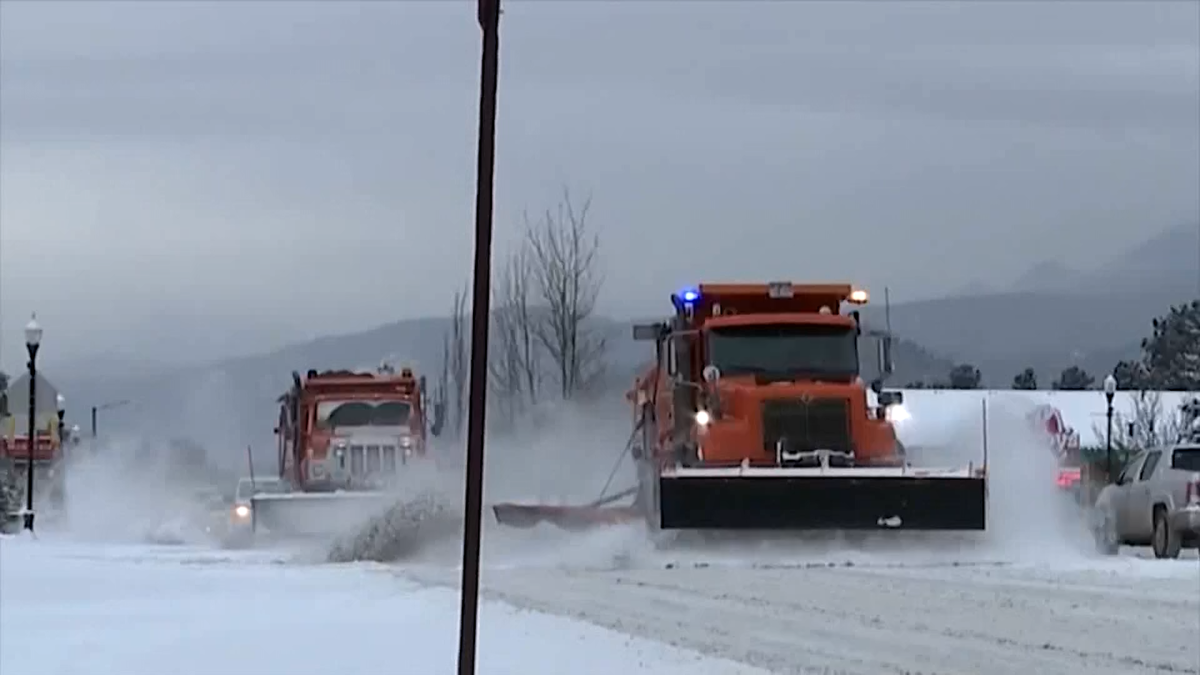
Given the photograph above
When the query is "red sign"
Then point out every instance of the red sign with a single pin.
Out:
(18, 448)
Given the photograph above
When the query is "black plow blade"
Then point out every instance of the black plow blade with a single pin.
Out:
(823, 503)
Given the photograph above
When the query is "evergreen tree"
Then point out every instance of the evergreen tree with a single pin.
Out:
(965, 376)
(1074, 379)
(1026, 379)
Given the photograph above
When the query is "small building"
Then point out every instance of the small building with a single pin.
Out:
(46, 410)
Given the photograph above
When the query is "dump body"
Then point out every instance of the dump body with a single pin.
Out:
(754, 416)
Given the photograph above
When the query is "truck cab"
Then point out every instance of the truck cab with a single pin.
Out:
(766, 375)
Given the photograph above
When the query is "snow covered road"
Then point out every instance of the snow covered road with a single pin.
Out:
(70, 609)
(932, 606)
(871, 614)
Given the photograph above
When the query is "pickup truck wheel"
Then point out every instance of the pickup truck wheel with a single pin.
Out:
(1166, 543)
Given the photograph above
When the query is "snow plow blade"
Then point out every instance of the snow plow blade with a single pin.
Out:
(566, 517)
(816, 499)
(316, 513)
(586, 516)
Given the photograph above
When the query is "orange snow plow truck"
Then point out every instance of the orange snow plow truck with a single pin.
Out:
(754, 417)
(347, 442)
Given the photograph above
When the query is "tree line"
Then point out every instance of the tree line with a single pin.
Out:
(1169, 361)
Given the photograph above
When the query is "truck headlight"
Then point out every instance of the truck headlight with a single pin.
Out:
(242, 511)
(703, 418)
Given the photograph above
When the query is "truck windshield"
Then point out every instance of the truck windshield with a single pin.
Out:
(331, 414)
(784, 350)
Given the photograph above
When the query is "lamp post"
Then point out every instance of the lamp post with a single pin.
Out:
(56, 476)
(1110, 390)
(62, 412)
(33, 340)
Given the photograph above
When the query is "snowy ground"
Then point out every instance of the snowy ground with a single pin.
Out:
(947, 605)
(68, 608)
(862, 613)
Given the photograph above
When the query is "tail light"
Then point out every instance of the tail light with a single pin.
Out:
(1068, 477)
(1193, 490)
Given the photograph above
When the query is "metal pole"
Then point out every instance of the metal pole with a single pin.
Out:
(93, 427)
(1108, 457)
(985, 432)
(489, 22)
(33, 349)
(250, 463)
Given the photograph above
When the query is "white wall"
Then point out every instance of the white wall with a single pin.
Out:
(932, 413)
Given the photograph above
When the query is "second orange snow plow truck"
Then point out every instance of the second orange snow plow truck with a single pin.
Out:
(346, 441)
(754, 417)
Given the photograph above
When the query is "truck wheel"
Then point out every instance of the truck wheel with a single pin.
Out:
(1166, 544)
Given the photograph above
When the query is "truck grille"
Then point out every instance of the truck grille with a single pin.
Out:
(370, 460)
(818, 424)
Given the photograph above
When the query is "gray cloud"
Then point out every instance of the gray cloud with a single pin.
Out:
(258, 172)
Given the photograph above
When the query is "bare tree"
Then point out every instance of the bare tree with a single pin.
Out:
(564, 270)
(504, 367)
(1145, 425)
(455, 355)
(514, 366)
(441, 392)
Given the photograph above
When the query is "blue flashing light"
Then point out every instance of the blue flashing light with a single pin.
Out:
(689, 295)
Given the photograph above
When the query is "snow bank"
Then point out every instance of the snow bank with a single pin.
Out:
(153, 610)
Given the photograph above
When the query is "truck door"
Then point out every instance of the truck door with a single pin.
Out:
(1140, 523)
(1122, 493)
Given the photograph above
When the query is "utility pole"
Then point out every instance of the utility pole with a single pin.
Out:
(96, 409)
(489, 22)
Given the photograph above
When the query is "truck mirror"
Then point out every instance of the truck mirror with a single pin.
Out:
(883, 353)
(4, 404)
(890, 398)
(645, 332)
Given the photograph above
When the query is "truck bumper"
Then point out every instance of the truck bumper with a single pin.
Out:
(1186, 520)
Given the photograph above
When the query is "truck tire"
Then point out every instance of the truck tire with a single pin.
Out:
(1166, 542)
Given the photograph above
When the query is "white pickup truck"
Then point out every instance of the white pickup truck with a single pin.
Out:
(1155, 500)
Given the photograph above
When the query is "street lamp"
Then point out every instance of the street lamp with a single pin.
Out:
(62, 412)
(1110, 390)
(33, 340)
(103, 406)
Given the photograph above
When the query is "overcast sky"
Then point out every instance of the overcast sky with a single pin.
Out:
(190, 180)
